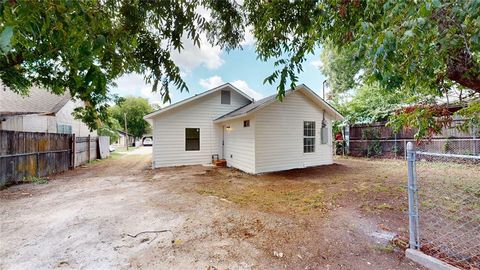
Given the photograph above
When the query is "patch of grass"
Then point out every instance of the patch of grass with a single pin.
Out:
(115, 155)
(36, 180)
(384, 206)
(296, 197)
(389, 248)
(206, 192)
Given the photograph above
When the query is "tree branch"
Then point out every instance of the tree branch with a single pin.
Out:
(462, 70)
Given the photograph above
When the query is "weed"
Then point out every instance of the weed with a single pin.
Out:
(389, 248)
(384, 206)
(35, 180)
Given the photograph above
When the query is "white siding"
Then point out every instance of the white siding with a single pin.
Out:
(240, 145)
(48, 123)
(279, 135)
(64, 116)
(169, 130)
(30, 123)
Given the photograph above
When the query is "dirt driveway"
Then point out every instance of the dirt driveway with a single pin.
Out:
(319, 218)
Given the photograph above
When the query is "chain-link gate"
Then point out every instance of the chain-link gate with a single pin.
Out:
(444, 206)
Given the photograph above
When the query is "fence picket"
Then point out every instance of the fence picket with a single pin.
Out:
(32, 154)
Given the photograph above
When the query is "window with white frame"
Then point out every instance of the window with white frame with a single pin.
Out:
(246, 123)
(309, 136)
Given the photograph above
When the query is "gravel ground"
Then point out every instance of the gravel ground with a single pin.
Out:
(319, 218)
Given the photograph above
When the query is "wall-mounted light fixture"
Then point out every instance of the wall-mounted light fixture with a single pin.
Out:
(228, 128)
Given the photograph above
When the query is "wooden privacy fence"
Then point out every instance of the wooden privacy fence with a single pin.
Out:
(379, 140)
(85, 150)
(25, 155)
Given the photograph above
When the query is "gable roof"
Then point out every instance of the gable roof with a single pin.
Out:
(38, 100)
(195, 97)
(257, 105)
(124, 133)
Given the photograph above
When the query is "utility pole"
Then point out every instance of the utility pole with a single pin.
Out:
(126, 130)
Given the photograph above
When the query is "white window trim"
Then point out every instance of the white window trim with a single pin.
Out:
(312, 137)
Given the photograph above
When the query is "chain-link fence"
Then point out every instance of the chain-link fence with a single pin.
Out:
(444, 206)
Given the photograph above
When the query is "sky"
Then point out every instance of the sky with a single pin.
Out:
(207, 67)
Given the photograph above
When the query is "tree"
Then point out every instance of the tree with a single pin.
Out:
(399, 43)
(135, 109)
(83, 46)
(110, 128)
(421, 50)
(369, 103)
(424, 48)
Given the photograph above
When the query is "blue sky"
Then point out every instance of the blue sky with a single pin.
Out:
(206, 67)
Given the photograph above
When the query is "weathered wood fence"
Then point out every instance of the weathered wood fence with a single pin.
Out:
(379, 140)
(86, 150)
(25, 155)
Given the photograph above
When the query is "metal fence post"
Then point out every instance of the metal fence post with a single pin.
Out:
(412, 201)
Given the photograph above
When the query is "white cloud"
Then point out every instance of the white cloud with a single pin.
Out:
(211, 82)
(134, 85)
(215, 81)
(242, 85)
(192, 56)
(316, 63)
(249, 38)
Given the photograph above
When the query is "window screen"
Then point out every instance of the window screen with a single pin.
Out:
(64, 129)
(225, 97)
(192, 139)
(308, 136)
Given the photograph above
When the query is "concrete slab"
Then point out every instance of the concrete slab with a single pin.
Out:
(428, 261)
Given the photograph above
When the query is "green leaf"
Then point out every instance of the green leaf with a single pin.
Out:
(408, 33)
(436, 3)
(5, 39)
(99, 42)
(389, 34)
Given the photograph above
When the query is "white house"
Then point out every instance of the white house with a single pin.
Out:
(122, 139)
(40, 111)
(253, 136)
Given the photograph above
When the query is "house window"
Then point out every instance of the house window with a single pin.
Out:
(225, 97)
(246, 123)
(192, 139)
(64, 129)
(308, 136)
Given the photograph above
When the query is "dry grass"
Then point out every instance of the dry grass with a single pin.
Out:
(376, 187)
(267, 195)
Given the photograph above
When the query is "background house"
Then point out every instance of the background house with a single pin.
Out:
(122, 139)
(256, 137)
(41, 111)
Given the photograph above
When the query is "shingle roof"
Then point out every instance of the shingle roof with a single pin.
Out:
(38, 101)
